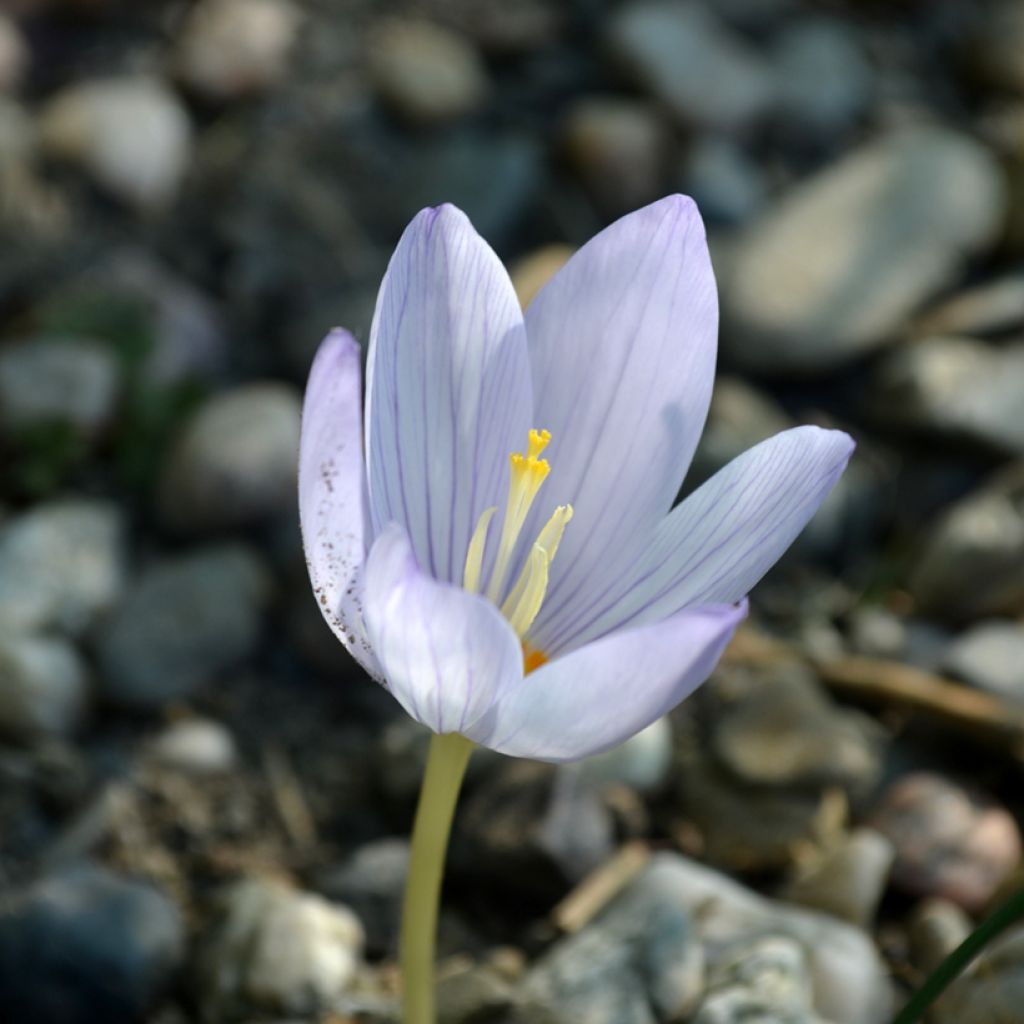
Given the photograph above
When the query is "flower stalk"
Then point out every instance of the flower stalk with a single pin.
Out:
(446, 765)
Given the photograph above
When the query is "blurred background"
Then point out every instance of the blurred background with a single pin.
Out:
(202, 800)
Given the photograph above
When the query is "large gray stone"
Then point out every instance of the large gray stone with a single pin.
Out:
(640, 962)
(834, 269)
(184, 621)
(86, 946)
(849, 981)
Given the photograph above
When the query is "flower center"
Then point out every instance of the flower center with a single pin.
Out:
(523, 600)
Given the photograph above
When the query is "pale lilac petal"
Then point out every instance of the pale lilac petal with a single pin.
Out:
(720, 541)
(600, 695)
(446, 652)
(448, 393)
(622, 349)
(332, 506)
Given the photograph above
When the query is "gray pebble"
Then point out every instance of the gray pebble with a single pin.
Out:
(849, 880)
(978, 541)
(61, 566)
(425, 72)
(619, 150)
(372, 882)
(234, 462)
(949, 841)
(43, 687)
(956, 388)
(824, 78)
(728, 186)
(67, 380)
(198, 746)
(990, 655)
(228, 49)
(684, 57)
(786, 731)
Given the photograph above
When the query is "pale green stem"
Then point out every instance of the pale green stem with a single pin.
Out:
(446, 764)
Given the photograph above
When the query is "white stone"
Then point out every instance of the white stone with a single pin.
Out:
(131, 134)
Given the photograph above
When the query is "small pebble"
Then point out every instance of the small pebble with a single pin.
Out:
(619, 150)
(228, 49)
(949, 841)
(936, 928)
(372, 883)
(849, 880)
(234, 462)
(424, 72)
(43, 687)
(62, 565)
(132, 135)
(47, 380)
(198, 746)
(979, 538)
(692, 63)
(990, 655)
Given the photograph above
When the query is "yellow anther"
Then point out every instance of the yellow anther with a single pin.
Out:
(475, 554)
(537, 442)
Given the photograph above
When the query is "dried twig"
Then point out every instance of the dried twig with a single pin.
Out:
(600, 887)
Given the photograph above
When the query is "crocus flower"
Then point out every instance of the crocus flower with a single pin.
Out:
(493, 539)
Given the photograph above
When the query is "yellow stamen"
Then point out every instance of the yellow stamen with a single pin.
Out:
(528, 473)
(522, 603)
(548, 540)
(523, 611)
(475, 554)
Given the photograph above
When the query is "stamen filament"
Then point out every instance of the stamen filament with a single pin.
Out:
(475, 554)
(521, 615)
(524, 601)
